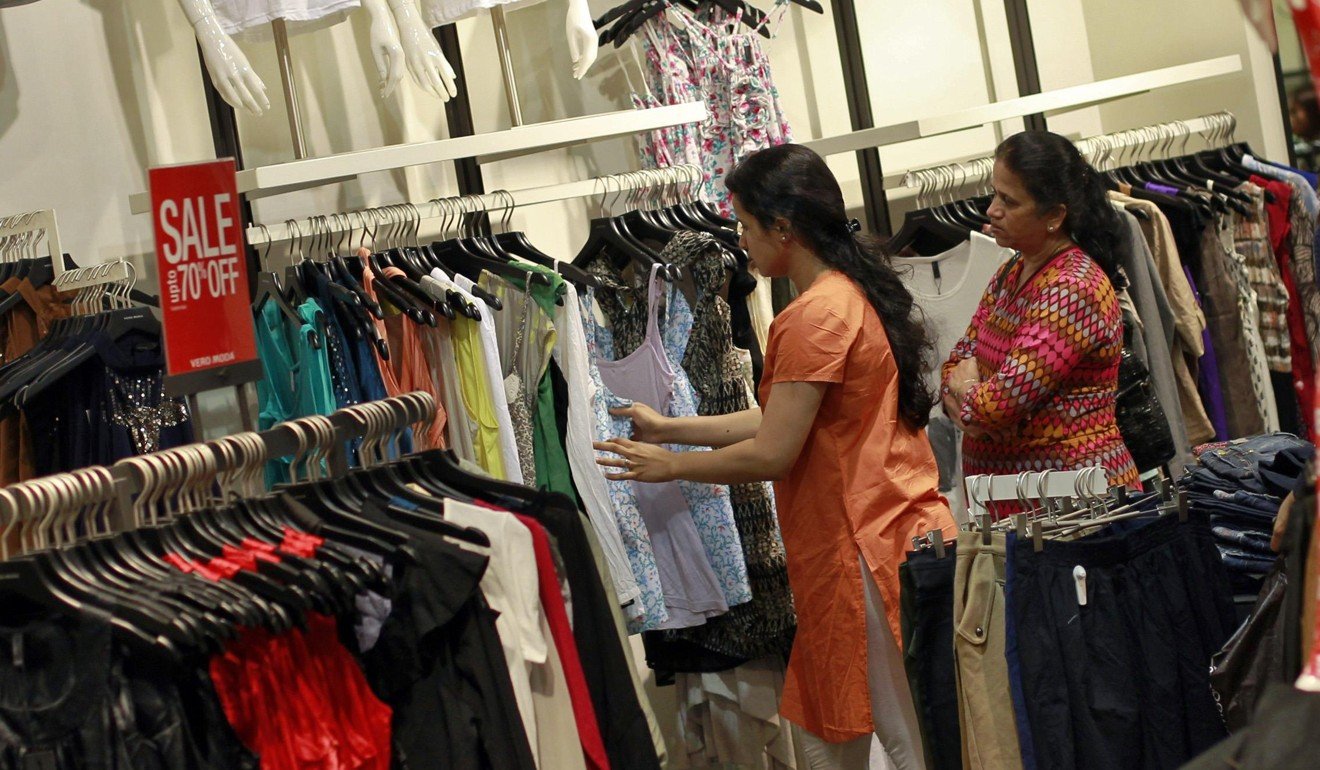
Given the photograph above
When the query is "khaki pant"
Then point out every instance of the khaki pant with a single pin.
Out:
(985, 705)
(892, 712)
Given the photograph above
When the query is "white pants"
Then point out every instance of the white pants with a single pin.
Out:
(897, 736)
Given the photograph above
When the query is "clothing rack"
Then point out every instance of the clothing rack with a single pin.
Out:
(1033, 486)
(1059, 100)
(27, 230)
(943, 181)
(608, 187)
(166, 482)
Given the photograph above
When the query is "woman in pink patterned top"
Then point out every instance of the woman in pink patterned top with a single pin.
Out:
(1033, 382)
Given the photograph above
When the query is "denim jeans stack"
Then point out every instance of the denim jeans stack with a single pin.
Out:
(1241, 486)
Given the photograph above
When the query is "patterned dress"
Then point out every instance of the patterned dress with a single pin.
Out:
(699, 337)
(715, 58)
(1048, 355)
(648, 611)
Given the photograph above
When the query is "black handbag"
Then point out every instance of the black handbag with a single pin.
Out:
(1141, 421)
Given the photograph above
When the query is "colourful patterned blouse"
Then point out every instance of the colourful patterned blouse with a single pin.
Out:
(1048, 354)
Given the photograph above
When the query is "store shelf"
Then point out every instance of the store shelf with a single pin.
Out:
(521, 140)
(1059, 100)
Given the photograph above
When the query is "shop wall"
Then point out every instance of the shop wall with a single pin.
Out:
(1088, 40)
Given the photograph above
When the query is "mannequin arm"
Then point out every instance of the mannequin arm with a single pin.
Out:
(385, 46)
(582, 42)
(425, 61)
(229, 67)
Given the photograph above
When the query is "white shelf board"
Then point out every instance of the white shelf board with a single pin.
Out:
(520, 140)
(1058, 100)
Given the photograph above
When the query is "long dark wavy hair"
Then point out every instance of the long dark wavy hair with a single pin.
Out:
(792, 182)
(1055, 173)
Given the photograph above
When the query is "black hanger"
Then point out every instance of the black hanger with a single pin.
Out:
(927, 234)
(608, 236)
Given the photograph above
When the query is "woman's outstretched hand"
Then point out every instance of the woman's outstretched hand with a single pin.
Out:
(638, 460)
(648, 424)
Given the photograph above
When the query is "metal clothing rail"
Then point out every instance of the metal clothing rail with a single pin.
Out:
(1033, 486)
(944, 181)
(509, 200)
(35, 225)
(520, 140)
(1058, 100)
(39, 508)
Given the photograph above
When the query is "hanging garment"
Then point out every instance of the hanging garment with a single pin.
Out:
(238, 15)
(345, 381)
(648, 612)
(439, 663)
(1252, 241)
(1280, 229)
(1122, 681)
(416, 370)
(698, 336)
(1302, 220)
(525, 338)
(702, 341)
(494, 378)
(297, 376)
(927, 599)
(511, 588)
(552, 468)
(1231, 311)
(1188, 320)
(574, 359)
(989, 730)
(441, 12)
(110, 406)
(692, 589)
(619, 624)
(623, 725)
(593, 747)
(476, 391)
(947, 287)
(315, 687)
(1152, 307)
(830, 507)
(732, 717)
(22, 327)
(1040, 348)
(716, 59)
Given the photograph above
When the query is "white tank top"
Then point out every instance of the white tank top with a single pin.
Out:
(236, 16)
(440, 12)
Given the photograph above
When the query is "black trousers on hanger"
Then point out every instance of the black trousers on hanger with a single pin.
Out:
(926, 602)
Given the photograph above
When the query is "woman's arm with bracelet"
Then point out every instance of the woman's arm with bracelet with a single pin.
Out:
(766, 456)
(713, 431)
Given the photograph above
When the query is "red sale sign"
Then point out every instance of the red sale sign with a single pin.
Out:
(203, 276)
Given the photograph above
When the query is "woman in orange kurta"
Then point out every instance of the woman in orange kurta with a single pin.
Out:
(843, 404)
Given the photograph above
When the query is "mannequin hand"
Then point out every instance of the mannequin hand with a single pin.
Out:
(385, 47)
(648, 424)
(582, 37)
(641, 462)
(229, 67)
(427, 64)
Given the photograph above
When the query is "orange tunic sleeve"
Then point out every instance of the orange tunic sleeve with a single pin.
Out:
(811, 343)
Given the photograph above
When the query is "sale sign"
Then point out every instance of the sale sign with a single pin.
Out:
(200, 257)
